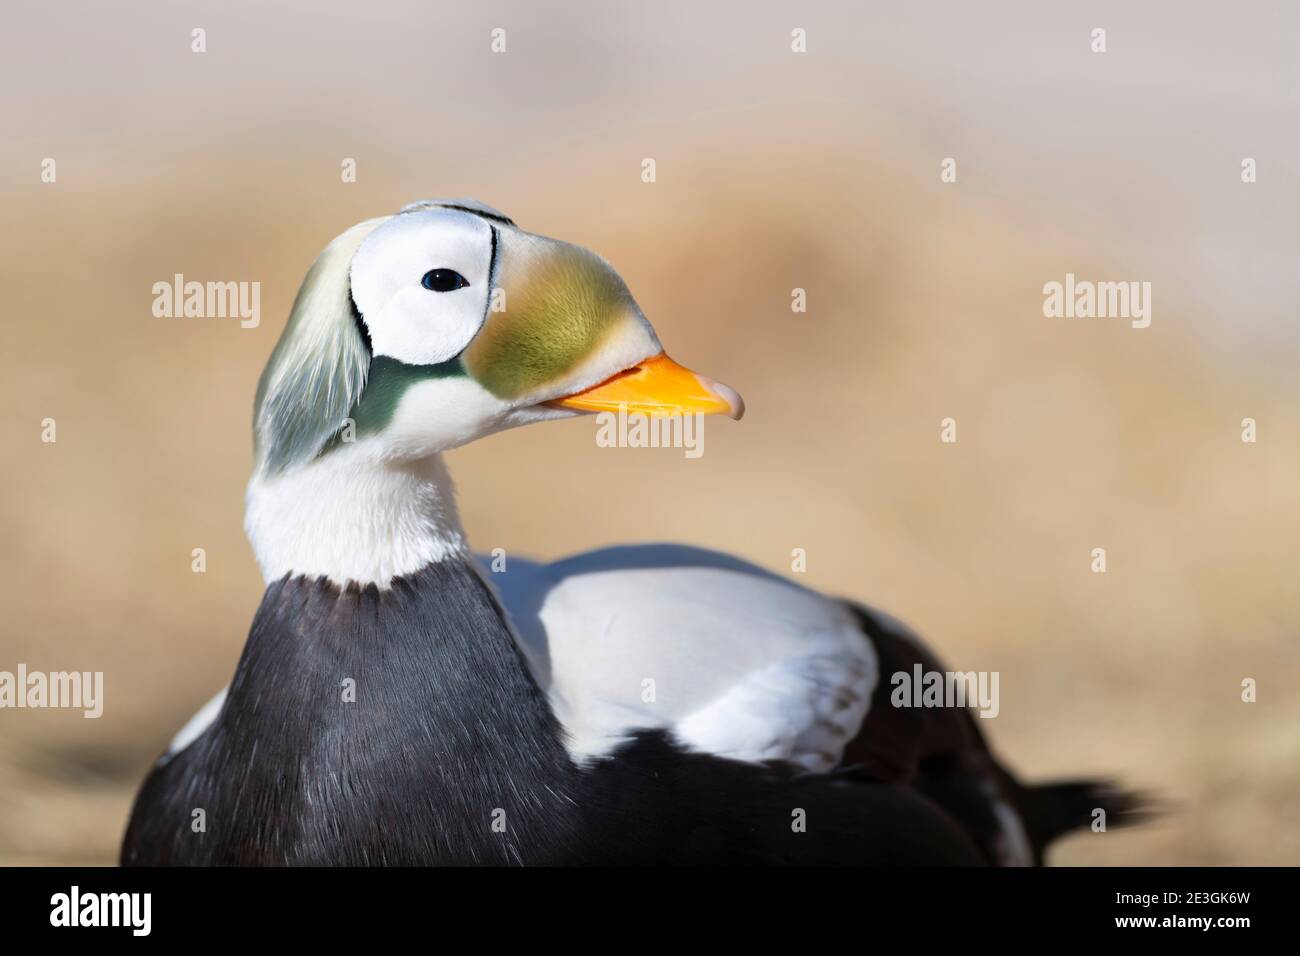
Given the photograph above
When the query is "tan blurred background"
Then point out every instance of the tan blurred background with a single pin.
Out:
(775, 170)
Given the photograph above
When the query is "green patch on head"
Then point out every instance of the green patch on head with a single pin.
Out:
(560, 303)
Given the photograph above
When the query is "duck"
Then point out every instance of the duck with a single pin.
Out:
(398, 702)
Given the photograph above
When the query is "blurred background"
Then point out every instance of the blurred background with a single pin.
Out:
(775, 170)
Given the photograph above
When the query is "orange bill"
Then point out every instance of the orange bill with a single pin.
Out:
(658, 386)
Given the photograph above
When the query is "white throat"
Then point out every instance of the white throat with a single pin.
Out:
(351, 515)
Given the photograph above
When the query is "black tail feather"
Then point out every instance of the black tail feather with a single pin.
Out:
(1051, 810)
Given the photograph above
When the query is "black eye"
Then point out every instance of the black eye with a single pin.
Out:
(443, 280)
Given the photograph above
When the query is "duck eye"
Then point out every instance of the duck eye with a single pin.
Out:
(443, 280)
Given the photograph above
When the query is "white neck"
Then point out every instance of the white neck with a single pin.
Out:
(350, 515)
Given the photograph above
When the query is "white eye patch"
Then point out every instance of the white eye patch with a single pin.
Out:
(406, 320)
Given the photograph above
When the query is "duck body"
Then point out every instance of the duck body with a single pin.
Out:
(425, 766)
(356, 705)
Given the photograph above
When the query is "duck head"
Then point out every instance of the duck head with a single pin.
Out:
(417, 333)
(445, 323)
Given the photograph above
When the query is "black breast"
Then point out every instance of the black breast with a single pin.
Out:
(403, 727)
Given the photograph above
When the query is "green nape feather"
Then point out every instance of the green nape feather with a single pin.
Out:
(318, 368)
